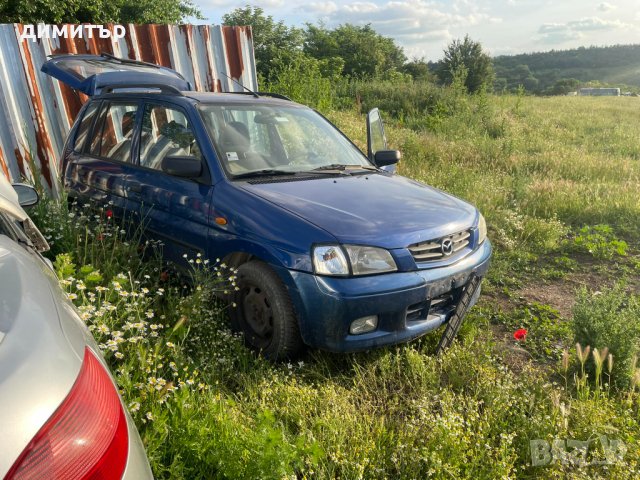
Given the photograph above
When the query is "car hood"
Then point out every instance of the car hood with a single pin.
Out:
(382, 210)
(38, 362)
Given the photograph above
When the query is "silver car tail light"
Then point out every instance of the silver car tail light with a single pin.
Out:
(85, 438)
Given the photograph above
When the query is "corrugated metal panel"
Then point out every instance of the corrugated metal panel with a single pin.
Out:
(37, 111)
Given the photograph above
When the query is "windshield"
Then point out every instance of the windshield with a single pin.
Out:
(274, 138)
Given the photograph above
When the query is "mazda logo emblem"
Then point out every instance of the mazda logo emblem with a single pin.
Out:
(446, 246)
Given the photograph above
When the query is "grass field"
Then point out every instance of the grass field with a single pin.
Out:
(558, 180)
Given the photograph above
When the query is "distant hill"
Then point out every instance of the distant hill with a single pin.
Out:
(559, 71)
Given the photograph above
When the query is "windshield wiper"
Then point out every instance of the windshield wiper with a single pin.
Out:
(266, 172)
(341, 168)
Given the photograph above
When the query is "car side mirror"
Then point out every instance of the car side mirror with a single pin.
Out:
(27, 195)
(383, 158)
(182, 166)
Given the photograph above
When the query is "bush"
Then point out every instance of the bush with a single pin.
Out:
(400, 99)
(610, 318)
(302, 81)
(600, 241)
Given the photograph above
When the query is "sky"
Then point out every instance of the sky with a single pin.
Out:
(424, 28)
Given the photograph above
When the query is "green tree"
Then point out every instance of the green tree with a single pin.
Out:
(273, 42)
(419, 69)
(563, 86)
(466, 55)
(97, 11)
(365, 52)
(499, 84)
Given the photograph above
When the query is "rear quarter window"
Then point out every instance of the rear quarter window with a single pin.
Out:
(85, 126)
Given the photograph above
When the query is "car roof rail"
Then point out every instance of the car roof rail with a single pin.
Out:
(142, 86)
(265, 94)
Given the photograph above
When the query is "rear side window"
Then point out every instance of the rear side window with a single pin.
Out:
(165, 132)
(114, 131)
(85, 126)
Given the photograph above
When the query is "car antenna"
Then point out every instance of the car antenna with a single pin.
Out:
(238, 83)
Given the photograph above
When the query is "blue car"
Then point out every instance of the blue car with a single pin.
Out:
(333, 249)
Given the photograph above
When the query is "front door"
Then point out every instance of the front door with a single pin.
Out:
(173, 210)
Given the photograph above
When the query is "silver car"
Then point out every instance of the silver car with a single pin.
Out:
(61, 416)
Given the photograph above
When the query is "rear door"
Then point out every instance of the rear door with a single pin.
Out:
(174, 210)
(89, 74)
(101, 160)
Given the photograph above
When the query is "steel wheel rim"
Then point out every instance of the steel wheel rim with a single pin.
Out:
(258, 315)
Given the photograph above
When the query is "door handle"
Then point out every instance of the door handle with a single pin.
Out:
(135, 187)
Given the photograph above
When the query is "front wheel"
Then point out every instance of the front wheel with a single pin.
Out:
(264, 312)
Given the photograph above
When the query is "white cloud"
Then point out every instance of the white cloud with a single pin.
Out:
(576, 29)
(606, 7)
(557, 33)
(233, 4)
(595, 23)
(323, 8)
(411, 21)
(361, 7)
(217, 3)
(271, 3)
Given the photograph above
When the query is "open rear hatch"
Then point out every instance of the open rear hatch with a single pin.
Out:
(89, 74)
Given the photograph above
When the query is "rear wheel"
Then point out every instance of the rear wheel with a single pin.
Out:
(264, 312)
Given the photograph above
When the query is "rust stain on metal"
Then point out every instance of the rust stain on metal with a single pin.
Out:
(3, 164)
(43, 142)
(187, 29)
(98, 45)
(206, 37)
(161, 45)
(156, 47)
(233, 51)
(72, 99)
(144, 43)
(248, 32)
(20, 162)
(131, 53)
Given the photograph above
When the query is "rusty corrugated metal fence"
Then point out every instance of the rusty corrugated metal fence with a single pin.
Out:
(37, 111)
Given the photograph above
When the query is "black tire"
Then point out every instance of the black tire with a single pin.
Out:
(264, 313)
(453, 326)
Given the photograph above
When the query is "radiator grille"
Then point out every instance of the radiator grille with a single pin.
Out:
(433, 250)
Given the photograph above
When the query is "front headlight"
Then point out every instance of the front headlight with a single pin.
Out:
(368, 260)
(482, 230)
(331, 260)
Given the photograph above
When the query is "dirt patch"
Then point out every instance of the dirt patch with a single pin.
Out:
(559, 295)
(562, 294)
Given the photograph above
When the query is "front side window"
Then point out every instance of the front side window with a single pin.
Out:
(251, 138)
(113, 133)
(165, 132)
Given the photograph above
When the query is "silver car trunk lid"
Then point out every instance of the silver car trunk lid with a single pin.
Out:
(38, 363)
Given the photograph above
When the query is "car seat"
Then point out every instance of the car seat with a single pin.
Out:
(235, 142)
